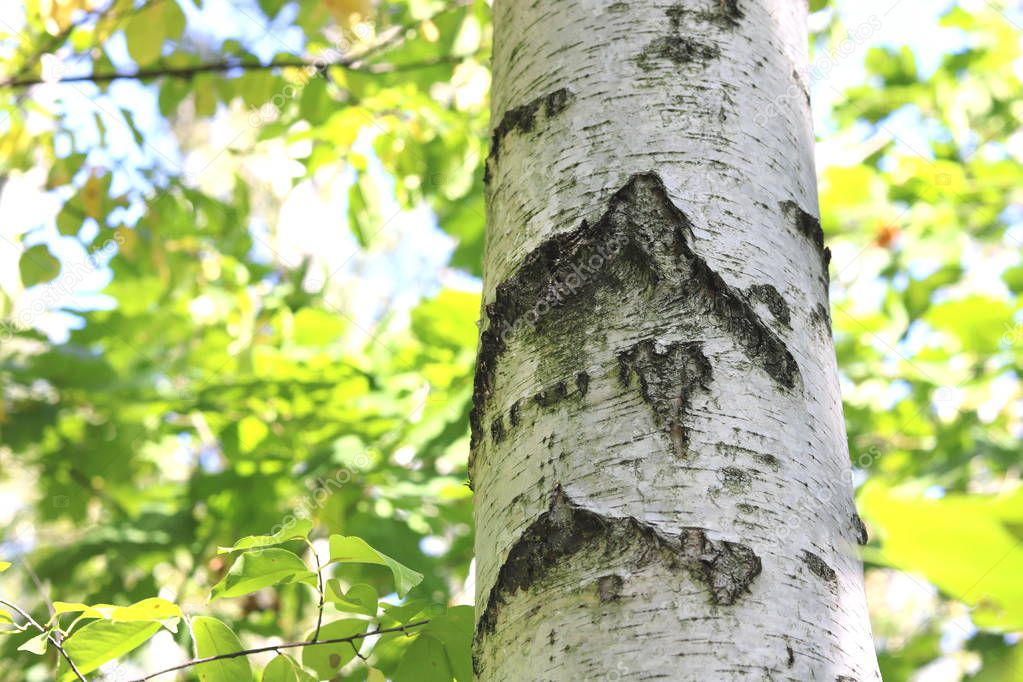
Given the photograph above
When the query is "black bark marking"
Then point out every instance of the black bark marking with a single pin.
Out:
(609, 587)
(846, 678)
(668, 376)
(582, 382)
(732, 9)
(769, 296)
(819, 568)
(515, 413)
(676, 47)
(810, 227)
(821, 317)
(790, 656)
(523, 119)
(497, 429)
(725, 568)
(678, 50)
(859, 529)
(551, 395)
(644, 231)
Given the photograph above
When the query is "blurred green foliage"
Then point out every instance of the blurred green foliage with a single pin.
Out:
(231, 385)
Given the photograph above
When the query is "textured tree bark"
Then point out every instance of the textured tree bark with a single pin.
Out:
(659, 457)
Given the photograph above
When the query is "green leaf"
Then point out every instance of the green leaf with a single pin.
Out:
(327, 659)
(1013, 278)
(37, 645)
(100, 641)
(964, 544)
(353, 550)
(147, 29)
(285, 669)
(297, 529)
(360, 598)
(364, 215)
(38, 266)
(977, 321)
(262, 568)
(213, 638)
(454, 630)
(424, 661)
(404, 613)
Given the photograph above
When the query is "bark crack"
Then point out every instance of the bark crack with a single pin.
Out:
(726, 569)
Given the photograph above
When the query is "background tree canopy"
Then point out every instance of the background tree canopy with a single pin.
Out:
(239, 258)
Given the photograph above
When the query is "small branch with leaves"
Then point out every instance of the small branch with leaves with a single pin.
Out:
(261, 562)
(288, 645)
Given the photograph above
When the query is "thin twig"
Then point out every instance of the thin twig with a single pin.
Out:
(355, 62)
(49, 636)
(319, 588)
(276, 647)
(220, 67)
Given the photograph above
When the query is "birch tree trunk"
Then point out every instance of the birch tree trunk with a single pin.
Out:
(659, 457)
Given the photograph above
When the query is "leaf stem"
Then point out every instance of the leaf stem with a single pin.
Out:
(53, 640)
(319, 588)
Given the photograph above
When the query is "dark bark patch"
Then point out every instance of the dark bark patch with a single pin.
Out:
(819, 568)
(726, 14)
(859, 529)
(668, 376)
(649, 240)
(609, 587)
(523, 119)
(497, 429)
(735, 480)
(769, 296)
(810, 227)
(582, 382)
(821, 317)
(551, 395)
(515, 413)
(790, 656)
(679, 50)
(726, 569)
(846, 678)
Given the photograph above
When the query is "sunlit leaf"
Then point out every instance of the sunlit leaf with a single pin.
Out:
(296, 529)
(326, 660)
(256, 569)
(351, 549)
(213, 638)
(100, 641)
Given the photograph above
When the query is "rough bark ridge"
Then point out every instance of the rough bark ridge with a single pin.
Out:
(658, 454)
(725, 568)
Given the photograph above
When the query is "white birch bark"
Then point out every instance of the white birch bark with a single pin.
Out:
(659, 457)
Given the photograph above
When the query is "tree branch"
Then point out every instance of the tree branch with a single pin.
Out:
(276, 647)
(187, 72)
(53, 640)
